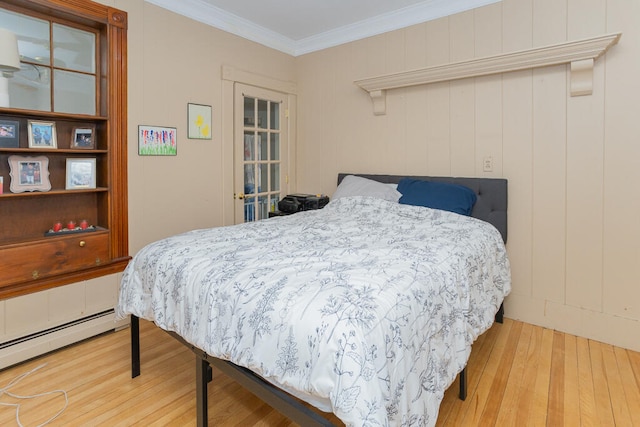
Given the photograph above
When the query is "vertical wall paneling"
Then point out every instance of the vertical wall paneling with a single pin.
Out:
(621, 274)
(438, 108)
(517, 101)
(376, 60)
(549, 22)
(549, 157)
(343, 132)
(488, 94)
(586, 18)
(415, 120)
(358, 65)
(393, 131)
(103, 294)
(376, 143)
(462, 98)
(67, 302)
(573, 163)
(21, 318)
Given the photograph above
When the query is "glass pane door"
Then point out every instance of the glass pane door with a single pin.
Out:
(261, 160)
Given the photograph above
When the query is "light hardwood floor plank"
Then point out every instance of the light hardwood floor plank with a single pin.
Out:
(571, 397)
(601, 385)
(480, 396)
(527, 385)
(631, 389)
(588, 411)
(619, 405)
(555, 414)
(518, 374)
(540, 398)
(508, 412)
(496, 392)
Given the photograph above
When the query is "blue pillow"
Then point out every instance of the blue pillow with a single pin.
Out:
(437, 195)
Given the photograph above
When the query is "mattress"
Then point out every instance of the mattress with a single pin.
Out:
(365, 308)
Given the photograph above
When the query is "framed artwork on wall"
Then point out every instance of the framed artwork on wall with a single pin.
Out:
(199, 120)
(157, 141)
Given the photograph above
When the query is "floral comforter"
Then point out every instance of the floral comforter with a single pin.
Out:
(364, 308)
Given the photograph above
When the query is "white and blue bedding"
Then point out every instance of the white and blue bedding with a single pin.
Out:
(366, 308)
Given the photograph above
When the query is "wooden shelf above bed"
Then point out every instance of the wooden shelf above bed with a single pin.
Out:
(581, 54)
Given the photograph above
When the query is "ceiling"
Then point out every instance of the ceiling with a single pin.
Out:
(297, 27)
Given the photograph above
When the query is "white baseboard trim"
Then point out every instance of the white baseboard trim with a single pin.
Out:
(37, 344)
(604, 327)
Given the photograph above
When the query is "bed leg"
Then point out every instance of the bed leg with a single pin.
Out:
(202, 378)
(135, 346)
(500, 314)
(463, 384)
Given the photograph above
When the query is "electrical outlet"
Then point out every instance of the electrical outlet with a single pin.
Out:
(487, 164)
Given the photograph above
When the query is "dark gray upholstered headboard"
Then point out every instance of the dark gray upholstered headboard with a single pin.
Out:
(491, 205)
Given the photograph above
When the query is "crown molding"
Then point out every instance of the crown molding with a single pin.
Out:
(581, 54)
(401, 18)
(206, 13)
(213, 16)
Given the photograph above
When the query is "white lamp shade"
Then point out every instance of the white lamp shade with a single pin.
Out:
(9, 56)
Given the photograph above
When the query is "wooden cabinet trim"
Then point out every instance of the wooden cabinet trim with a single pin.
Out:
(109, 204)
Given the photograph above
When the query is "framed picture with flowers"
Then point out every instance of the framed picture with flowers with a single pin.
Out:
(199, 120)
(157, 141)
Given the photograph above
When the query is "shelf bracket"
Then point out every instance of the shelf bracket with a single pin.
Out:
(379, 98)
(582, 77)
(580, 54)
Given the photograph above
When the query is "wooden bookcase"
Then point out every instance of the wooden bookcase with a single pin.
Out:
(30, 259)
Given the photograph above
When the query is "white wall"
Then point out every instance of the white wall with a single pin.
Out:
(573, 163)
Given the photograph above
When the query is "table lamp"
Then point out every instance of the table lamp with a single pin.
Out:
(9, 63)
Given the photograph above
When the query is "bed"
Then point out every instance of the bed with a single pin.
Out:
(366, 308)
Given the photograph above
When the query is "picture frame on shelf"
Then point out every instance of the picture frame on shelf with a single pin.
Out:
(42, 134)
(80, 173)
(9, 134)
(83, 138)
(199, 120)
(29, 174)
(157, 141)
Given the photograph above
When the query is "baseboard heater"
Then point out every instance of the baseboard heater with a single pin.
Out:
(38, 343)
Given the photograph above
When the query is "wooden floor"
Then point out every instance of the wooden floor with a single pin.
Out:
(518, 375)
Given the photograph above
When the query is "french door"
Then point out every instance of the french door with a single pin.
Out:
(260, 152)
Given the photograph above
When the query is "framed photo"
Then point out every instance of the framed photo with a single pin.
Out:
(81, 173)
(9, 134)
(157, 141)
(199, 119)
(83, 137)
(42, 134)
(29, 174)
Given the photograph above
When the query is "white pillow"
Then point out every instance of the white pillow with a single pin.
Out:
(352, 185)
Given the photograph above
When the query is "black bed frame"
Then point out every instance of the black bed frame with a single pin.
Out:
(491, 206)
